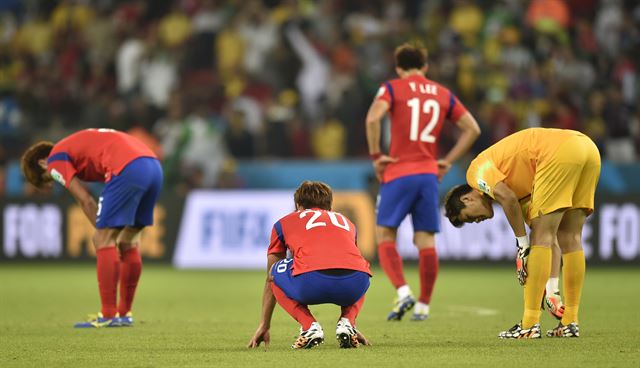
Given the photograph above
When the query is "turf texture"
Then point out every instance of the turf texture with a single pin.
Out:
(205, 319)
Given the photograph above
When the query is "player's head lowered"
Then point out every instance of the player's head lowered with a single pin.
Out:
(464, 204)
(34, 164)
(411, 56)
(313, 194)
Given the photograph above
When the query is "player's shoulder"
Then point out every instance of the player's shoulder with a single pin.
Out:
(440, 87)
(393, 81)
(472, 167)
(289, 218)
(399, 83)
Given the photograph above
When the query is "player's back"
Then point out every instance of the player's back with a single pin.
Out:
(321, 239)
(518, 155)
(103, 140)
(418, 108)
(96, 153)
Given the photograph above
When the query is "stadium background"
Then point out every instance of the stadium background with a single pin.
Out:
(256, 96)
(245, 99)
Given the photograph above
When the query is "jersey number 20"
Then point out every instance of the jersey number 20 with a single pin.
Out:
(332, 216)
(428, 107)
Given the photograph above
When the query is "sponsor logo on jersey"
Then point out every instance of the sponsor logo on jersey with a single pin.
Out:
(57, 176)
(484, 186)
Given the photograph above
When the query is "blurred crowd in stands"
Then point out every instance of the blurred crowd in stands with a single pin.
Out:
(208, 82)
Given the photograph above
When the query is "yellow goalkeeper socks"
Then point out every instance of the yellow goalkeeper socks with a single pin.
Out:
(538, 270)
(573, 270)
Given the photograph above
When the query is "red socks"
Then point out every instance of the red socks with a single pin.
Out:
(299, 312)
(428, 269)
(351, 312)
(108, 270)
(391, 263)
(130, 270)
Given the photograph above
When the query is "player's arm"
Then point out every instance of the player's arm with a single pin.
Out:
(376, 113)
(511, 207)
(268, 304)
(84, 199)
(470, 132)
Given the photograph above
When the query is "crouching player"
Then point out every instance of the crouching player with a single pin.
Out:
(557, 170)
(133, 178)
(326, 267)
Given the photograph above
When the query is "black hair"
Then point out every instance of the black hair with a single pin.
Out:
(453, 205)
(411, 56)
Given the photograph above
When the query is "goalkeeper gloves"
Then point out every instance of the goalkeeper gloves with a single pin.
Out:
(522, 257)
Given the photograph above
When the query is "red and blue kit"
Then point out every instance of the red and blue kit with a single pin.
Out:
(326, 264)
(94, 155)
(131, 171)
(418, 107)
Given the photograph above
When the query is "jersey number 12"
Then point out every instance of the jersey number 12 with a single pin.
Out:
(428, 107)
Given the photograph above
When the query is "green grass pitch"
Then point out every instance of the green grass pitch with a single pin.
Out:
(205, 319)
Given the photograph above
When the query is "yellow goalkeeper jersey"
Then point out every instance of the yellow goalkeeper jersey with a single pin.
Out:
(557, 168)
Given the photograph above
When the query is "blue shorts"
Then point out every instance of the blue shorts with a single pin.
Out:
(316, 287)
(414, 194)
(128, 199)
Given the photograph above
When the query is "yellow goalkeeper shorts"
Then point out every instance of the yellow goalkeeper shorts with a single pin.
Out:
(567, 179)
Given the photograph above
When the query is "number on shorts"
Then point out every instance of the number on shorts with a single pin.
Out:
(282, 266)
(99, 206)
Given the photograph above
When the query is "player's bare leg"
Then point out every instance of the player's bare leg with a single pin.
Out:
(108, 271)
(391, 264)
(428, 272)
(130, 270)
(573, 271)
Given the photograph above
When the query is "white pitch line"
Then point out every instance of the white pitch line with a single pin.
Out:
(470, 309)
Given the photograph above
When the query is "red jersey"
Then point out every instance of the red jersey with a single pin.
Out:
(318, 240)
(94, 155)
(417, 108)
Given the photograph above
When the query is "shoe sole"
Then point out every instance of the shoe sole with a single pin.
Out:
(530, 334)
(345, 341)
(313, 342)
(552, 334)
(95, 325)
(125, 324)
(521, 337)
(393, 316)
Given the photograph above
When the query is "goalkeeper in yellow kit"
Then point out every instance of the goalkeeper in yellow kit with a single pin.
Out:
(556, 172)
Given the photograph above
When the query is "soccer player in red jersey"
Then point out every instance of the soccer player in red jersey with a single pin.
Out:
(326, 267)
(409, 174)
(133, 178)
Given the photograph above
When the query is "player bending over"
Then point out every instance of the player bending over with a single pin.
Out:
(133, 178)
(557, 171)
(418, 108)
(326, 267)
